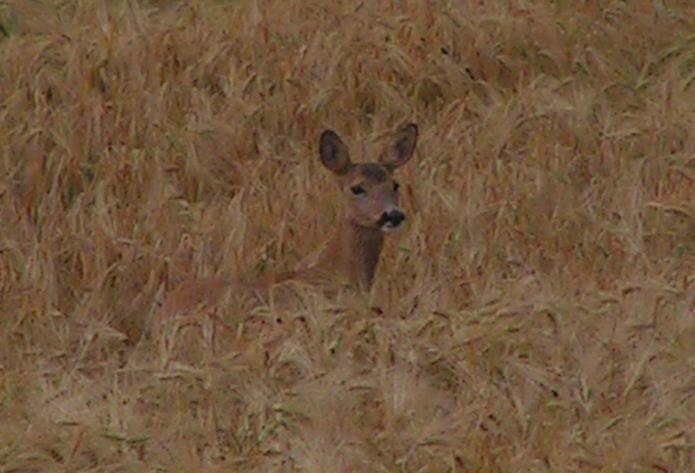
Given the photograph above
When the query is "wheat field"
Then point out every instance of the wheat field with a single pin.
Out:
(536, 313)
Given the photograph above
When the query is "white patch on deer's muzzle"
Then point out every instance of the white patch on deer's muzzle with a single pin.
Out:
(390, 227)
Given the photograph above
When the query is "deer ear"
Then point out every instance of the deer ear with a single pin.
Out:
(333, 152)
(402, 150)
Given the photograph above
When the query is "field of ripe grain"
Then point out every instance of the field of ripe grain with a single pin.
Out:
(537, 312)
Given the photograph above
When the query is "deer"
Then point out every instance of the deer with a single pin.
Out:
(371, 196)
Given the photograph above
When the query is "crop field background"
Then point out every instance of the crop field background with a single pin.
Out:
(536, 313)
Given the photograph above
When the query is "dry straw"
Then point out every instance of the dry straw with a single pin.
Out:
(537, 313)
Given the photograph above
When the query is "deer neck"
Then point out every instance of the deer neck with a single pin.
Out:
(355, 251)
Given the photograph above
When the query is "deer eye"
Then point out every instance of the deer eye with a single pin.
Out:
(396, 186)
(357, 190)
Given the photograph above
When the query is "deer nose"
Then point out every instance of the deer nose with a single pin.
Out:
(394, 217)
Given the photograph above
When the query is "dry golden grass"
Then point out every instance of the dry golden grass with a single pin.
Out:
(537, 313)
